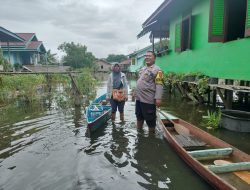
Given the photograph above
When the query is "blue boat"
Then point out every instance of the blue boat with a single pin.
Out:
(97, 113)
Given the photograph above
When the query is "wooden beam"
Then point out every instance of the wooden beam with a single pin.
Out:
(222, 97)
(214, 98)
(181, 90)
(211, 153)
(241, 166)
(244, 175)
(76, 91)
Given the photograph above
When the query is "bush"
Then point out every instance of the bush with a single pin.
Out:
(17, 66)
(212, 120)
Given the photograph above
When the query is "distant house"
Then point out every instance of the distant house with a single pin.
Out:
(125, 65)
(137, 59)
(21, 48)
(103, 65)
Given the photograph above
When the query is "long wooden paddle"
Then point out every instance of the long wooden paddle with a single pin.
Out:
(178, 127)
(244, 175)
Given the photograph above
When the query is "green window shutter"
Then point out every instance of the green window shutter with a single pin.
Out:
(216, 26)
(133, 61)
(247, 31)
(178, 37)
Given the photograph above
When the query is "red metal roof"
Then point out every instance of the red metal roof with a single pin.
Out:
(25, 36)
(34, 45)
(12, 44)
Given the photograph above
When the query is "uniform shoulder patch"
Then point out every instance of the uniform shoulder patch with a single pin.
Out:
(159, 78)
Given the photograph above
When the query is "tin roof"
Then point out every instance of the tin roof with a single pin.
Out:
(26, 36)
(8, 36)
(20, 41)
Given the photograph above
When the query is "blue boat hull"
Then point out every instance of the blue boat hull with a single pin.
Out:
(100, 122)
(98, 114)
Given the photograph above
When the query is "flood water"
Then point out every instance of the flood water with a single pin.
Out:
(45, 146)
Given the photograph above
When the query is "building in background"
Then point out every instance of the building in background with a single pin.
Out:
(125, 65)
(137, 59)
(103, 65)
(21, 48)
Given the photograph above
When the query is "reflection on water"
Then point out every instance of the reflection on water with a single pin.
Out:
(119, 153)
(151, 162)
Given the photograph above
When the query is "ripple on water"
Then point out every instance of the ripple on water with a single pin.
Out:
(51, 151)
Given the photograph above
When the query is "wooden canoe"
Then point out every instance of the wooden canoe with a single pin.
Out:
(98, 113)
(200, 149)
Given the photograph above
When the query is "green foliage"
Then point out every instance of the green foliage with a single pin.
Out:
(76, 55)
(212, 120)
(169, 75)
(202, 85)
(20, 85)
(86, 82)
(62, 101)
(58, 78)
(17, 66)
(193, 74)
(6, 65)
(116, 58)
(173, 78)
(51, 58)
(2, 59)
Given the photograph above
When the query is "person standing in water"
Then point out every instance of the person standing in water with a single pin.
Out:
(148, 92)
(117, 91)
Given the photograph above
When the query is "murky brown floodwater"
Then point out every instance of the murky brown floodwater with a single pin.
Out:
(46, 147)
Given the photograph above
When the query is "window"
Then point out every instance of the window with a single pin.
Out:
(133, 61)
(102, 67)
(178, 37)
(229, 20)
(183, 35)
(186, 33)
(247, 31)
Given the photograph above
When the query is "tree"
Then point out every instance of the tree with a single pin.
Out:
(116, 58)
(76, 55)
(51, 58)
(2, 59)
(4, 62)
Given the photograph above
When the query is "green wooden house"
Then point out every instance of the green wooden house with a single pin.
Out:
(207, 36)
(21, 48)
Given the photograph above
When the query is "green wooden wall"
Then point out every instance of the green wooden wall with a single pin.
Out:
(230, 60)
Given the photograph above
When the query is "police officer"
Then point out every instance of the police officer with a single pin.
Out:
(148, 92)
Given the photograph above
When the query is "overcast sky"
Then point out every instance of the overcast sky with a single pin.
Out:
(104, 26)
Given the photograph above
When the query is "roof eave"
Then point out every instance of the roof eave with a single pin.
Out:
(13, 36)
(156, 12)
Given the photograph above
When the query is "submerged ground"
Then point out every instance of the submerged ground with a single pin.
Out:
(47, 147)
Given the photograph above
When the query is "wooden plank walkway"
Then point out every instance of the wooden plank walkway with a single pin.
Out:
(227, 87)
